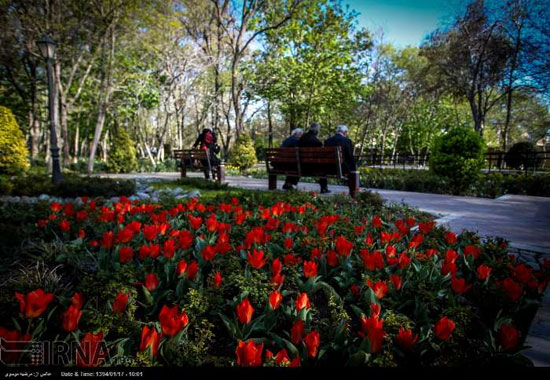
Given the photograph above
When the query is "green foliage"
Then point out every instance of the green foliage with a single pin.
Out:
(243, 154)
(489, 185)
(122, 156)
(71, 186)
(458, 157)
(13, 151)
(522, 155)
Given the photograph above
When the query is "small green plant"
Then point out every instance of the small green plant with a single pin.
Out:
(243, 154)
(522, 155)
(122, 156)
(458, 156)
(13, 151)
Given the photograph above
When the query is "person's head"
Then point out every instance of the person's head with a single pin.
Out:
(314, 128)
(298, 132)
(342, 129)
(206, 130)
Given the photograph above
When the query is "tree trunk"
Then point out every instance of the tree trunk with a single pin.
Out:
(104, 95)
(269, 126)
(76, 138)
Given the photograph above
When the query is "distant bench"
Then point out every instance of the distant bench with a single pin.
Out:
(197, 159)
(323, 162)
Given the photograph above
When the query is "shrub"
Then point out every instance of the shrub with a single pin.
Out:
(122, 156)
(71, 186)
(13, 151)
(243, 154)
(458, 156)
(521, 155)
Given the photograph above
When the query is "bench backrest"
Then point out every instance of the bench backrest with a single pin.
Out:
(191, 157)
(312, 162)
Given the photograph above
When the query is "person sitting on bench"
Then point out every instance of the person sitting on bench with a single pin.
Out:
(341, 139)
(291, 142)
(207, 142)
(310, 140)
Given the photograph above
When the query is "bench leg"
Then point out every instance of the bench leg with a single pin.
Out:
(353, 183)
(272, 182)
(183, 171)
(221, 174)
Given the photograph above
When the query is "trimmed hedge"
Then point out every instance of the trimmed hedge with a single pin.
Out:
(13, 151)
(71, 186)
(490, 185)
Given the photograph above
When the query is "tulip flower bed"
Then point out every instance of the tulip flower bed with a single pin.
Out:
(233, 283)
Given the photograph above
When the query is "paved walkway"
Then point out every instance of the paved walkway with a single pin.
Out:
(523, 220)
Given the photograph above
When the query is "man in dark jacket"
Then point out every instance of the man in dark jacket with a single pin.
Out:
(291, 142)
(310, 139)
(341, 139)
(349, 166)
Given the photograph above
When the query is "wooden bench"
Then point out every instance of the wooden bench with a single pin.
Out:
(197, 159)
(323, 162)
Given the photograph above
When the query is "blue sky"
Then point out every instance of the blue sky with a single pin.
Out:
(405, 22)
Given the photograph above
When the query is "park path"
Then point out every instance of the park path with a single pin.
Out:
(522, 220)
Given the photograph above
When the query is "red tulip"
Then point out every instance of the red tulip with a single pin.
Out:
(125, 254)
(275, 299)
(277, 280)
(13, 344)
(151, 281)
(171, 321)
(425, 228)
(406, 339)
(332, 259)
(343, 246)
(77, 300)
(245, 311)
(276, 267)
(380, 289)
(91, 353)
(372, 328)
(312, 341)
(396, 281)
(483, 272)
(297, 332)
(257, 259)
(459, 285)
(471, 250)
(249, 354)
(185, 240)
(208, 253)
(71, 317)
(310, 269)
(150, 338)
(508, 336)
(120, 303)
(376, 221)
(107, 241)
(33, 304)
(169, 248)
(302, 302)
(512, 288)
(288, 244)
(444, 328)
(450, 237)
(150, 232)
(181, 267)
(192, 270)
(218, 279)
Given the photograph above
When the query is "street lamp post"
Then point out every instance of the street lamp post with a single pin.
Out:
(47, 49)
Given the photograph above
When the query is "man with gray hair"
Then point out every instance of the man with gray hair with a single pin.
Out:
(292, 140)
(341, 139)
